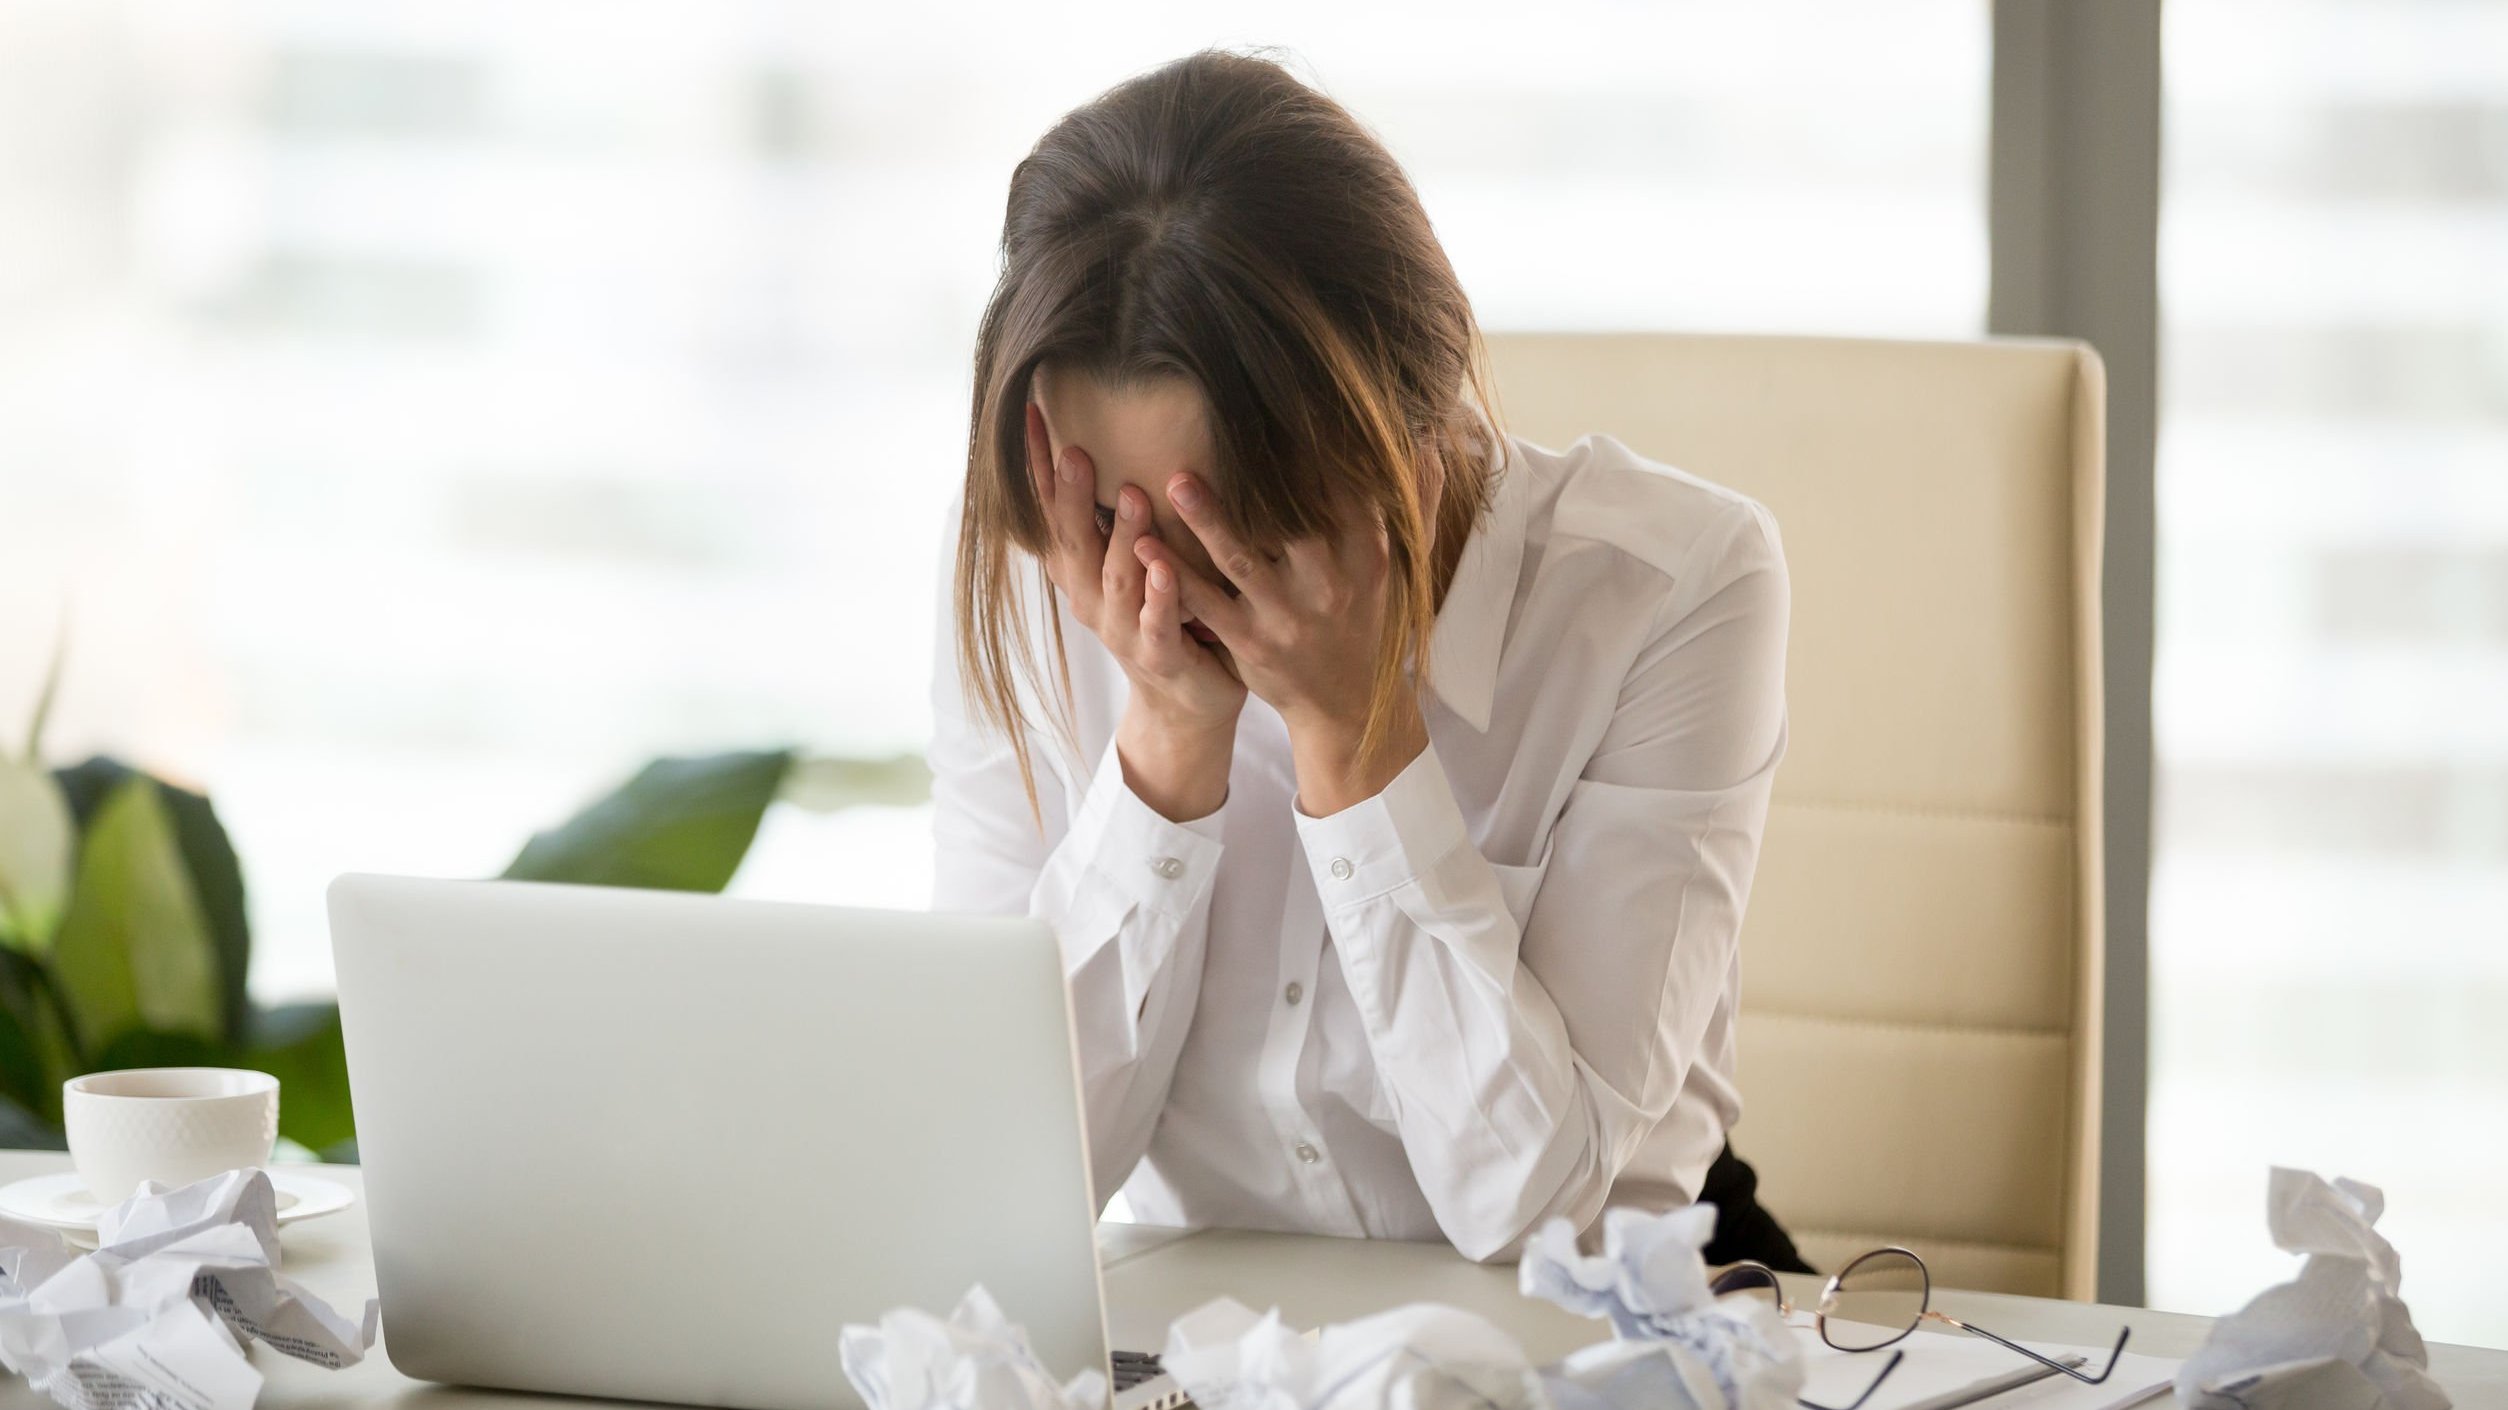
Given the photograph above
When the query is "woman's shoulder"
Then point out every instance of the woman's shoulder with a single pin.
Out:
(1599, 492)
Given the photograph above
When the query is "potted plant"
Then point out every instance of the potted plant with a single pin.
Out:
(124, 940)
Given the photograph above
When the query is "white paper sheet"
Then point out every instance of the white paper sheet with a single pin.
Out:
(1941, 1362)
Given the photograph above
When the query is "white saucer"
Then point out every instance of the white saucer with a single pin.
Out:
(62, 1202)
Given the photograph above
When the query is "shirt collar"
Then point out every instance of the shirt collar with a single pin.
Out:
(1472, 623)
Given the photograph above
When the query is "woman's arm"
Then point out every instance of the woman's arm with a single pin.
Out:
(1126, 891)
(1525, 1065)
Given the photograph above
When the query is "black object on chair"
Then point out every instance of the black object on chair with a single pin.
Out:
(1745, 1231)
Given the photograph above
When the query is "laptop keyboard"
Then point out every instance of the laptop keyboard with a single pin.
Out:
(1133, 1367)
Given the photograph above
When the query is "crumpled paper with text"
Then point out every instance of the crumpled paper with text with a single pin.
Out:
(157, 1317)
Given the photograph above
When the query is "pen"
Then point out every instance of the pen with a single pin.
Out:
(1992, 1386)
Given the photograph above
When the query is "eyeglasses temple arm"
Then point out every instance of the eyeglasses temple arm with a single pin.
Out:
(2077, 1374)
(1858, 1403)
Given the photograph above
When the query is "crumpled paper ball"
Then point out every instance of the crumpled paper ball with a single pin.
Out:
(976, 1360)
(1649, 1274)
(1736, 1355)
(1650, 1283)
(156, 1317)
(1419, 1357)
(2335, 1336)
(1666, 1375)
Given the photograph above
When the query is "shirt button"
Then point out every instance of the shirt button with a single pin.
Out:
(1294, 992)
(1308, 1153)
(1341, 868)
(1168, 867)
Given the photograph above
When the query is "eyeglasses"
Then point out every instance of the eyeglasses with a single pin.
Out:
(1878, 1300)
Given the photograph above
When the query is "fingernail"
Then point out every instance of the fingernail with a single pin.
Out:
(1068, 465)
(1185, 491)
(1126, 505)
(1158, 576)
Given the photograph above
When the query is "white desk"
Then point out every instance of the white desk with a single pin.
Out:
(1154, 1274)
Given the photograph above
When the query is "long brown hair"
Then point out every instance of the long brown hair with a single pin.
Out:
(1217, 220)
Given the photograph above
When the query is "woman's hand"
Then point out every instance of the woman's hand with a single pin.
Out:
(1178, 732)
(1303, 633)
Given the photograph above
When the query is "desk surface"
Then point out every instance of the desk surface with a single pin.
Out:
(1155, 1274)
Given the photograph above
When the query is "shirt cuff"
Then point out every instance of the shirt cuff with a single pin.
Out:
(1160, 864)
(1387, 841)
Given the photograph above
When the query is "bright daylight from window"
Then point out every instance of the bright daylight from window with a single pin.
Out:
(441, 425)
(2330, 894)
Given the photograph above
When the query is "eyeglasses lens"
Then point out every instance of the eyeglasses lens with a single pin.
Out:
(1878, 1299)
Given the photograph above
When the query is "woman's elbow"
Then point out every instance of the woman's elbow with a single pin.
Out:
(1576, 1193)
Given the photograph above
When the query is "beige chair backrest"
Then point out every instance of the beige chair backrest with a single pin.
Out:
(1921, 962)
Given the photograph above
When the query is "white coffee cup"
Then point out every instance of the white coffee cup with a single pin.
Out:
(173, 1125)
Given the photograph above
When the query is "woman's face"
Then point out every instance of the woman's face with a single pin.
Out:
(1139, 435)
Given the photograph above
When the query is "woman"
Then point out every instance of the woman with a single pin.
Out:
(1394, 787)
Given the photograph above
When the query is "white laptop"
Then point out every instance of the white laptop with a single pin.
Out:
(660, 1146)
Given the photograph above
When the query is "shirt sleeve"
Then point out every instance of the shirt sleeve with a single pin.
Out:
(1125, 891)
(1525, 1062)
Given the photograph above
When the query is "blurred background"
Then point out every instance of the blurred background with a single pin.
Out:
(417, 416)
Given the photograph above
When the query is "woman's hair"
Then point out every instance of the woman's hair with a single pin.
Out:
(1217, 220)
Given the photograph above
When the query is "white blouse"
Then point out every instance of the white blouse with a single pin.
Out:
(1502, 989)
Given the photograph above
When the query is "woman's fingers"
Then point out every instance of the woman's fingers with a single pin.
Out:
(1162, 615)
(1044, 471)
(1356, 540)
(1200, 598)
(1333, 571)
(1164, 654)
(1078, 544)
(1249, 570)
(1121, 573)
(1205, 601)
(1041, 482)
(1306, 558)
(1364, 549)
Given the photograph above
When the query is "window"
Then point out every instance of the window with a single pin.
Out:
(2330, 891)
(431, 412)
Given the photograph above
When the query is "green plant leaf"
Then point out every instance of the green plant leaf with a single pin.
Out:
(828, 783)
(300, 1045)
(22, 1130)
(24, 1075)
(678, 825)
(217, 878)
(133, 949)
(146, 1047)
(36, 831)
(42, 1054)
